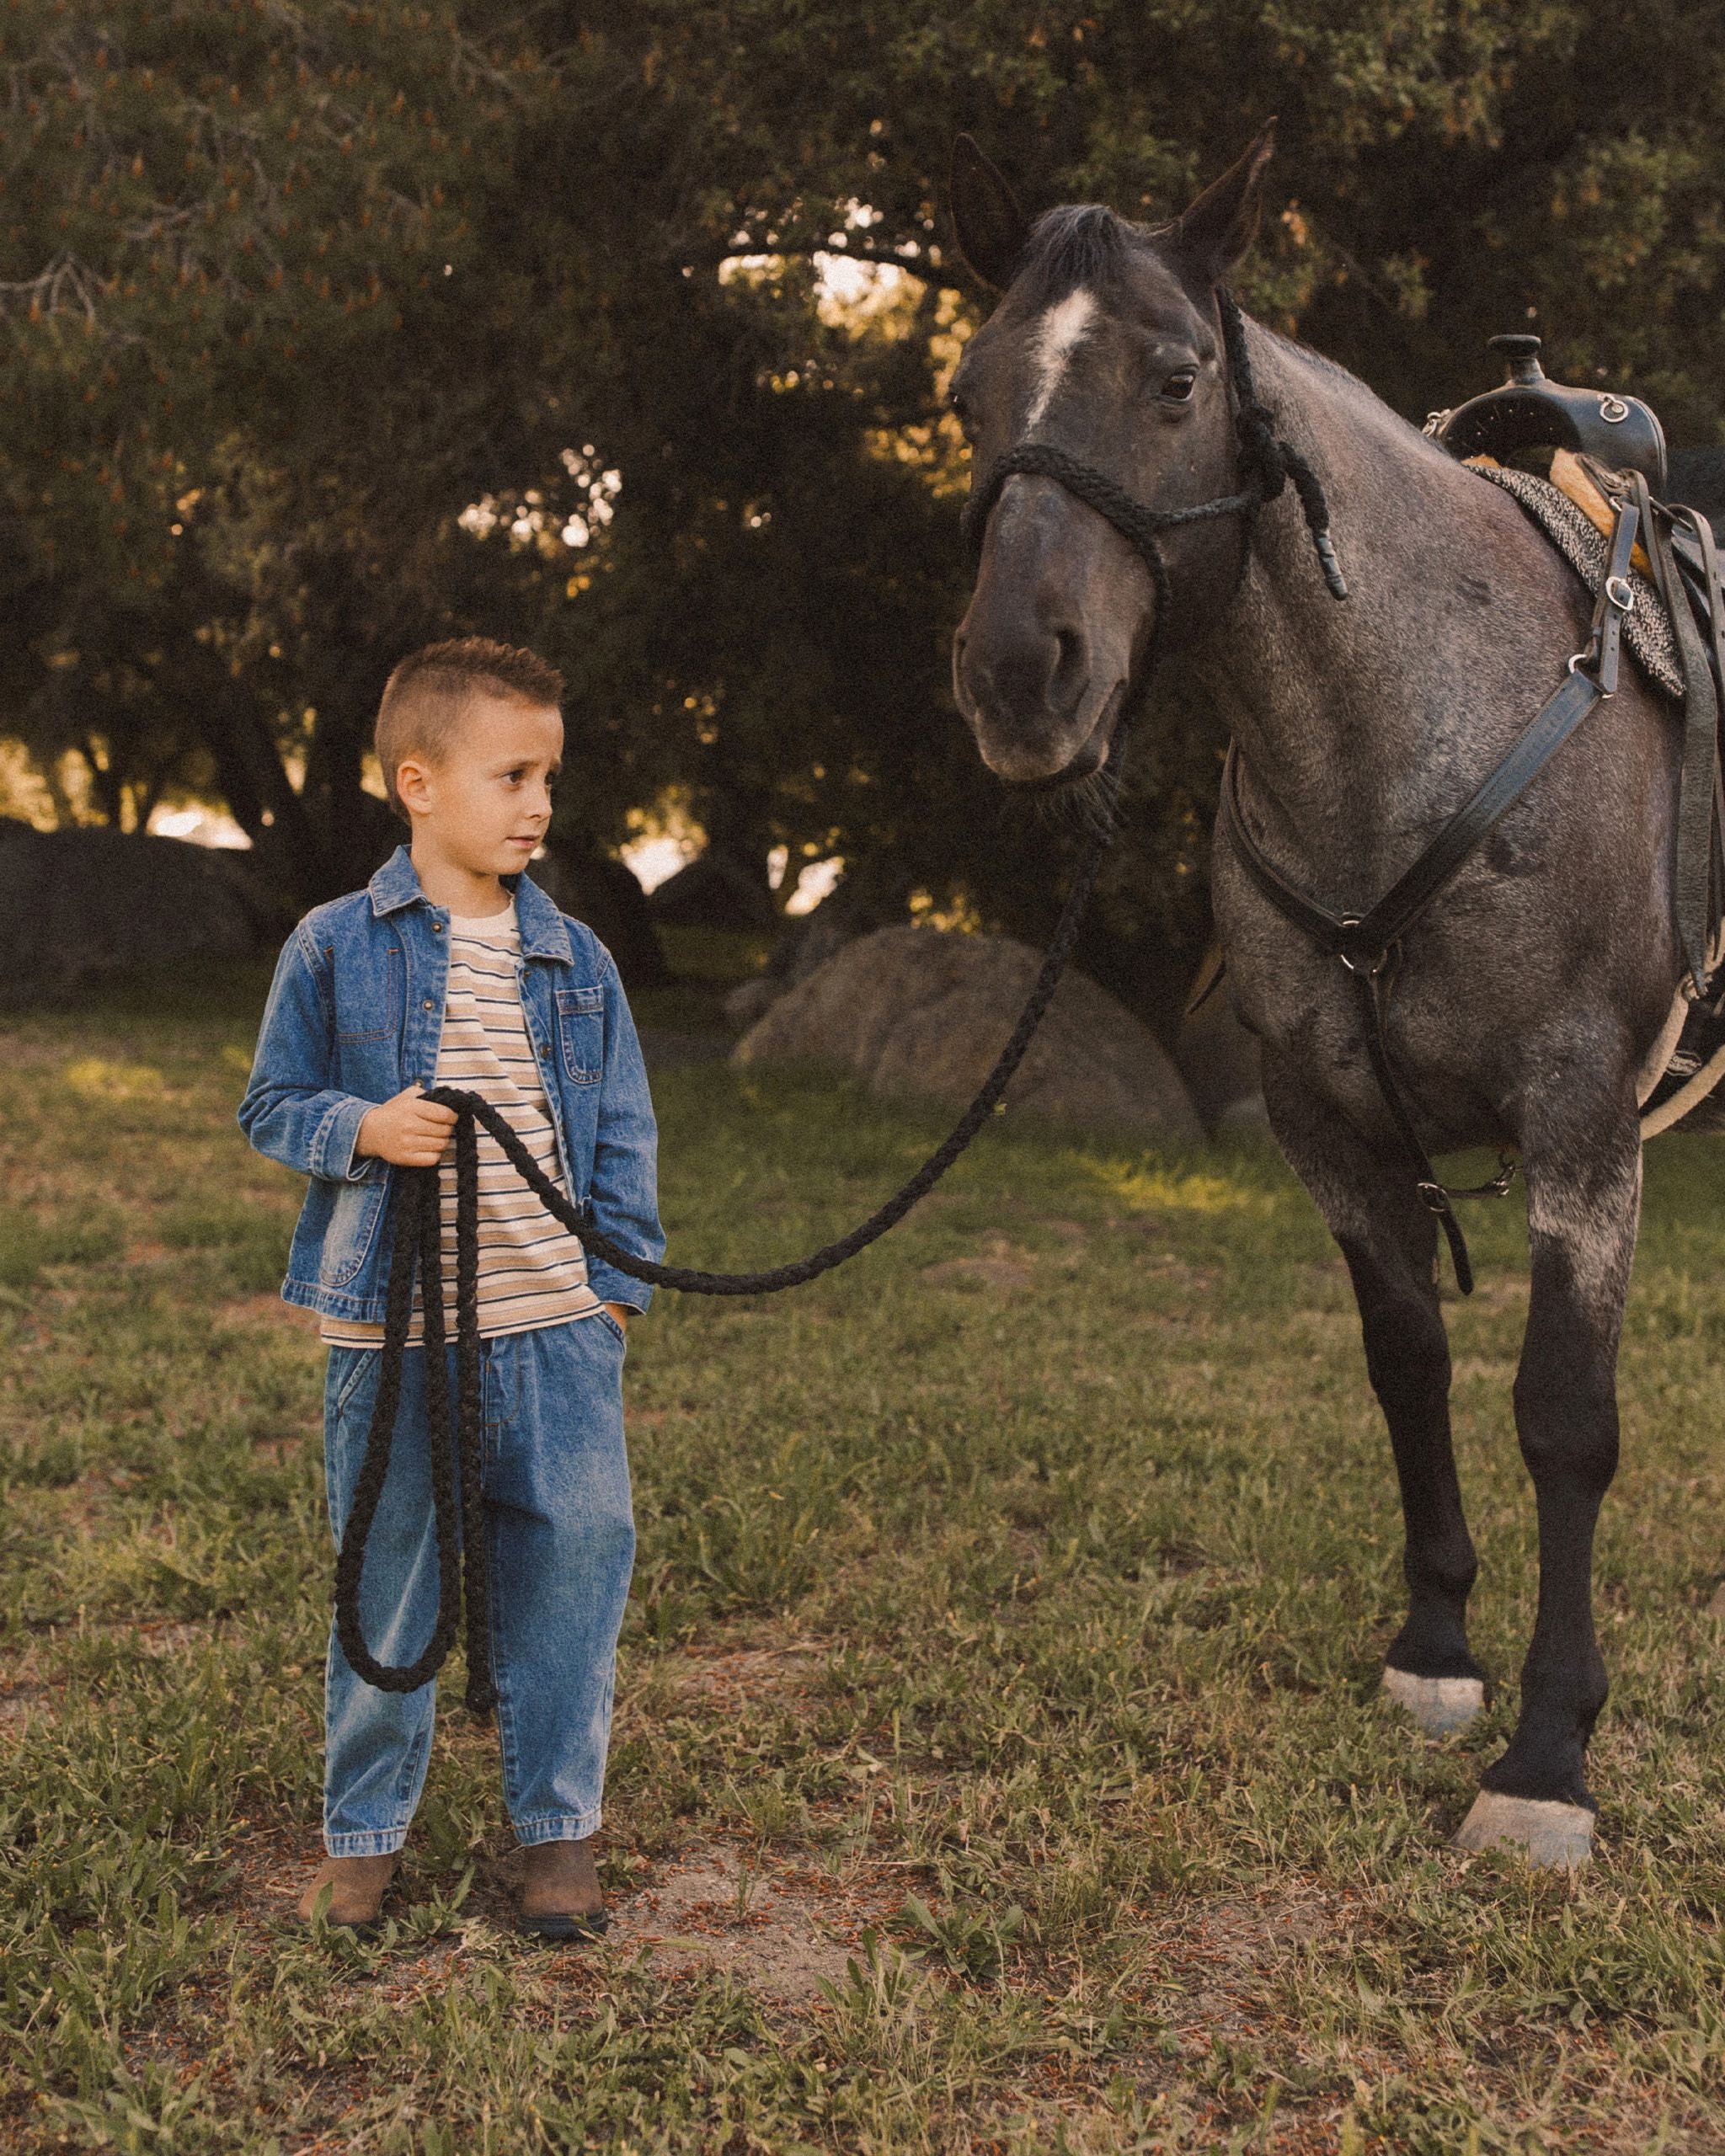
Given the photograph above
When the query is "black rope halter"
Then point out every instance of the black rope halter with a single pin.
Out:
(1269, 463)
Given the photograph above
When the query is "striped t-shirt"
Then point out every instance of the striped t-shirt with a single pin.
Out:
(532, 1271)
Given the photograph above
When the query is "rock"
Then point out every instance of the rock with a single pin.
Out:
(1219, 1060)
(80, 903)
(752, 1000)
(916, 1010)
(868, 895)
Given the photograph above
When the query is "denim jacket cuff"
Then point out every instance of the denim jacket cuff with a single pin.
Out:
(612, 1286)
(333, 1143)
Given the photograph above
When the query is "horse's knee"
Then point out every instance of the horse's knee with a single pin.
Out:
(1407, 1353)
(1565, 1419)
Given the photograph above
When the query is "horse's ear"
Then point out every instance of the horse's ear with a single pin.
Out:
(991, 228)
(1222, 223)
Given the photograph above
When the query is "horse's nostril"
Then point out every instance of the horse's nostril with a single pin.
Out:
(1067, 676)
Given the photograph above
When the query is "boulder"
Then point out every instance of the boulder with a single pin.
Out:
(917, 1009)
(79, 904)
(871, 893)
(1219, 1060)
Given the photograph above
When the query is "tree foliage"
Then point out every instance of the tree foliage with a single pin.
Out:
(332, 327)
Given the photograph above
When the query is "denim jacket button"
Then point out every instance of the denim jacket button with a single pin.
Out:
(429, 1005)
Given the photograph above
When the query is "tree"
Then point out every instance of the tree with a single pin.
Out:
(376, 306)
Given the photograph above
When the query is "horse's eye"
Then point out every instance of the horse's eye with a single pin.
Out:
(1180, 385)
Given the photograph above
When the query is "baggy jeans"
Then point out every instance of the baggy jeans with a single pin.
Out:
(558, 1510)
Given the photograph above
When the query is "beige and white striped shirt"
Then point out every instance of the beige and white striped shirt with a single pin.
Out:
(532, 1271)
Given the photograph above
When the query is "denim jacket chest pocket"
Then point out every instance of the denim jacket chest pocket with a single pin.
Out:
(370, 1009)
(580, 1034)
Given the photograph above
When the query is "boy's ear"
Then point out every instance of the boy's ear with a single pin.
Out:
(991, 228)
(1222, 223)
(410, 785)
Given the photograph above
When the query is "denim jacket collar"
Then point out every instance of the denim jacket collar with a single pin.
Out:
(396, 886)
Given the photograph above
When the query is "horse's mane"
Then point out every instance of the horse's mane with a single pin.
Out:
(1080, 244)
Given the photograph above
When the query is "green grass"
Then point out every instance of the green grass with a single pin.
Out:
(1007, 1621)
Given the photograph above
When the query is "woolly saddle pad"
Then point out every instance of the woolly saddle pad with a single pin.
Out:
(1648, 632)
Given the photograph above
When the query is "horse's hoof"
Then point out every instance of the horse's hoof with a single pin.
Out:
(1439, 1705)
(1553, 1835)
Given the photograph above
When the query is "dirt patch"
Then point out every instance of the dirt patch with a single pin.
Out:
(777, 1924)
(780, 1923)
(727, 1677)
(17, 1700)
(1212, 1956)
(1000, 1263)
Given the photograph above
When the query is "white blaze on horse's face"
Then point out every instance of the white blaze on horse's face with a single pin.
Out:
(1061, 330)
(1043, 657)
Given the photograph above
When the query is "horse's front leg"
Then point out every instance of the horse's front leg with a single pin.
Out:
(1389, 1240)
(1583, 1198)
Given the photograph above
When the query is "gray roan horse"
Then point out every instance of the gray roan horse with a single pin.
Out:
(1529, 998)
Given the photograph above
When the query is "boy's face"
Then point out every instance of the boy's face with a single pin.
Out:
(485, 804)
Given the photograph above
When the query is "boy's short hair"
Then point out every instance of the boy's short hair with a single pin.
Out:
(428, 694)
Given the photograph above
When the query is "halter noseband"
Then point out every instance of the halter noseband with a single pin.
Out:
(1269, 463)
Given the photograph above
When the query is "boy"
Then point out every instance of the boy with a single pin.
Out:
(452, 968)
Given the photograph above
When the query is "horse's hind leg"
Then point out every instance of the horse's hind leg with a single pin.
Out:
(1584, 1197)
(1390, 1242)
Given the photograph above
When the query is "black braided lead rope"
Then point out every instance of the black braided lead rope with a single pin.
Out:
(455, 1439)
(1270, 464)
(418, 1248)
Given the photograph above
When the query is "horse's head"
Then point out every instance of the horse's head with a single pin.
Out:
(1107, 344)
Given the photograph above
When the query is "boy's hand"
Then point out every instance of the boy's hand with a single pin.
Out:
(619, 1312)
(409, 1131)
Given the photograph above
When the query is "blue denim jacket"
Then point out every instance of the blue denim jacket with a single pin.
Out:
(354, 1017)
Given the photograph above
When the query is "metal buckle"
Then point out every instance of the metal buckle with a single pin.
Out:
(1613, 410)
(1433, 1196)
(1498, 1186)
(1616, 585)
(1353, 920)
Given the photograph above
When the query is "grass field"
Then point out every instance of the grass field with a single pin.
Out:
(998, 1762)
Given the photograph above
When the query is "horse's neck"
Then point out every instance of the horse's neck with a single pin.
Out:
(1352, 717)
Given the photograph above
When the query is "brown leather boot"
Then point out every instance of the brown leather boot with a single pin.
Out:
(357, 1885)
(560, 1896)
